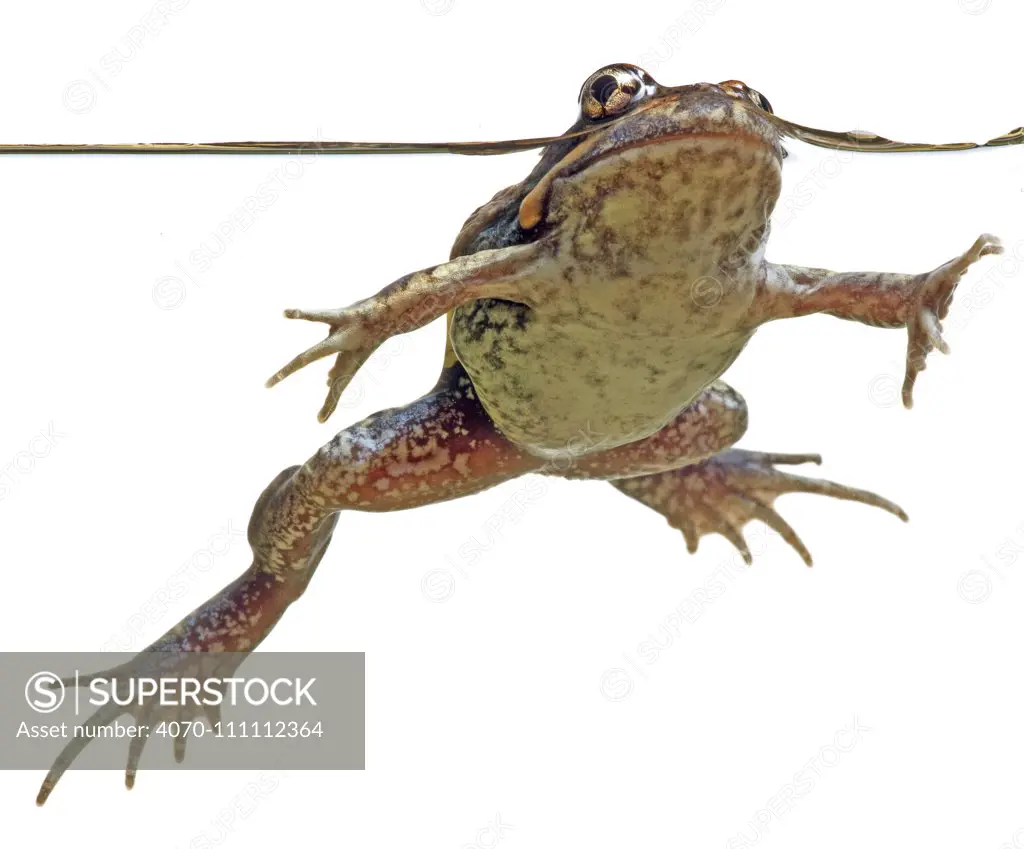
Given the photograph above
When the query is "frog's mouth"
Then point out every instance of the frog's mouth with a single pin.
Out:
(693, 134)
(688, 112)
(624, 137)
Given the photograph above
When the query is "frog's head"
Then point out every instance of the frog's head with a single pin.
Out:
(639, 110)
(628, 118)
(692, 142)
(615, 90)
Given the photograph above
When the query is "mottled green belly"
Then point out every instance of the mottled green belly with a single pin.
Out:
(557, 386)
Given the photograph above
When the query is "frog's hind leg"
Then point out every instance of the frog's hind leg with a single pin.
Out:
(689, 472)
(723, 493)
(440, 447)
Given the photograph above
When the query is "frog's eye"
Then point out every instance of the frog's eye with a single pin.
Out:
(612, 90)
(761, 102)
(734, 88)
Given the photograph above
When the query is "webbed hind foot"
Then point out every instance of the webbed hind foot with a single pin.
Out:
(725, 492)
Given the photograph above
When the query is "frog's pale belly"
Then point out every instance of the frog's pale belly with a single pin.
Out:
(555, 387)
(656, 254)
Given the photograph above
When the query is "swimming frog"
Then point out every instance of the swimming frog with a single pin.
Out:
(591, 311)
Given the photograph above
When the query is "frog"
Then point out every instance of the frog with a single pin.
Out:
(591, 311)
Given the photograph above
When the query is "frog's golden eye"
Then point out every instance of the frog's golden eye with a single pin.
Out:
(612, 90)
(761, 102)
(735, 88)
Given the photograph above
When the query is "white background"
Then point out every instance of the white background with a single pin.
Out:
(495, 702)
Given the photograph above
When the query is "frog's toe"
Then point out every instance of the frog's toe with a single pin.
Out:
(164, 660)
(931, 305)
(348, 339)
(103, 716)
(339, 377)
(346, 336)
(725, 492)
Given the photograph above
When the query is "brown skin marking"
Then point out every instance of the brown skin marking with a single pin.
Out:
(440, 447)
(444, 446)
(716, 419)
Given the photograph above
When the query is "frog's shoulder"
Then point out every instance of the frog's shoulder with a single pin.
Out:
(496, 223)
(493, 225)
(487, 227)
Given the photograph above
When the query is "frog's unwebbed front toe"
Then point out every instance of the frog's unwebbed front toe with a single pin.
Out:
(931, 304)
(409, 303)
(917, 302)
(725, 492)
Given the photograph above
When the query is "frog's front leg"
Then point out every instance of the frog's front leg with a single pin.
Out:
(409, 303)
(916, 301)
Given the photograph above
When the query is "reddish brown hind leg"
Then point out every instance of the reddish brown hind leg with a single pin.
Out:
(712, 422)
(440, 447)
(685, 473)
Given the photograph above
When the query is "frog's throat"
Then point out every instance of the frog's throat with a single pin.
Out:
(531, 209)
